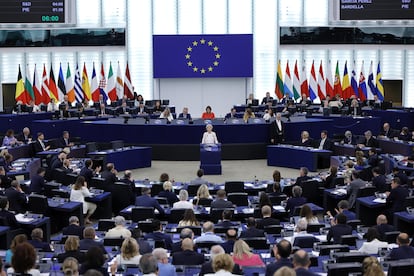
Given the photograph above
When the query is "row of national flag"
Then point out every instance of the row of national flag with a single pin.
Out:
(320, 85)
(77, 87)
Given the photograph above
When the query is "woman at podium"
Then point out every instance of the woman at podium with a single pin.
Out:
(209, 137)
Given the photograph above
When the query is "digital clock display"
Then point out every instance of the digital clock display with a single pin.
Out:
(33, 11)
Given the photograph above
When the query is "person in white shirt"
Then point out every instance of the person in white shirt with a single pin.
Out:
(167, 114)
(119, 230)
(373, 244)
(78, 193)
(300, 230)
(52, 106)
(209, 137)
(183, 203)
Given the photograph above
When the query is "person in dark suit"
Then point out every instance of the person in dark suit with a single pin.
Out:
(382, 226)
(123, 109)
(251, 231)
(57, 162)
(295, 201)
(37, 240)
(39, 145)
(301, 263)
(88, 172)
(185, 233)
(37, 182)
(396, 198)
(226, 220)
(88, 240)
(388, 132)
(146, 200)
(7, 217)
(401, 175)
(17, 198)
(127, 179)
(25, 137)
(373, 158)
(305, 140)
(369, 140)
(349, 139)
(324, 143)
(110, 177)
(340, 228)
(158, 235)
(168, 193)
(5, 181)
(277, 130)
(142, 109)
(188, 256)
(221, 201)
(64, 141)
(353, 188)
(267, 218)
(232, 114)
(73, 229)
(303, 176)
(231, 237)
(282, 251)
(404, 250)
(379, 180)
(207, 267)
(267, 99)
(185, 114)
(354, 108)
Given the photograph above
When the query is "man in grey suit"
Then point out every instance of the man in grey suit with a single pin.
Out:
(353, 188)
(220, 201)
(199, 180)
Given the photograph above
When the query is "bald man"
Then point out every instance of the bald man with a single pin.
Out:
(404, 250)
(301, 263)
(383, 226)
(188, 256)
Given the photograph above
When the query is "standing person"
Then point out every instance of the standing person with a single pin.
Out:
(209, 137)
(78, 193)
(208, 114)
(353, 188)
(277, 129)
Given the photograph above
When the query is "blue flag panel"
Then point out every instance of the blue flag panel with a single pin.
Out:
(202, 56)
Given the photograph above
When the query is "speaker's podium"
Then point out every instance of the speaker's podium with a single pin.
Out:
(210, 158)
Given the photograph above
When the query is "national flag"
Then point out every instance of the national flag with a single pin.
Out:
(94, 85)
(20, 94)
(111, 85)
(354, 83)
(304, 89)
(379, 86)
(119, 83)
(362, 89)
(371, 90)
(346, 86)
(287, 87)
(329, 83)
(61, 84)
(321, 84)
(337, 83)
(85, 84)
(28, 87)
(203, 56)
(313, 85)
(279, 88)
(45, 86)
(128, 89)
(79, 94)
(70, 89)
(296, 82)
(37, 88)
(53, 92)
(102, 83)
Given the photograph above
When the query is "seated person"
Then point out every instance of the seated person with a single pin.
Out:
(37, 240)
(349, 139)
(305, 140)
(208, 234)
(267, 218)
(145, 200)
(185, 114)
(251, 231)
(339, 229)
(119, 230)
(404, 250)
(373, 243)
(7, 217)
(404, 134)
(306, 212)
(267, 99)
(300, 230)
(183, 203)
(387, 131)
(248, 114)
(295, 201)
(244, 257)
(226, 220)
(208, 114)
(166, 114)
(188, 256)
(158, 235)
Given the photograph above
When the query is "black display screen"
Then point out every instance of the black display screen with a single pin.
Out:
(33, 11)
(376, 10)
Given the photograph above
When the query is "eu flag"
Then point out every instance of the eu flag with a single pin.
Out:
(202, 56)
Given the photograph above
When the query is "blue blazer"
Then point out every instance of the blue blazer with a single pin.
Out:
(147, 201)
(37, 184)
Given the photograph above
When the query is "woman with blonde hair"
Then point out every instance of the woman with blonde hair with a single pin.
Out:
(285, 271)
(189, 219)
(372, 267)
(222, 265)
(168, 193)
(202, 193)
(243, 257)
(248, 114)
(70, 267)
(71, 250)
(129, 252)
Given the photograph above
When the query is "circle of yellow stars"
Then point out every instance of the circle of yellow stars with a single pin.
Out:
(200, 43)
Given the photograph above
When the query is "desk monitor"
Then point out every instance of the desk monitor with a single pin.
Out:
(343, 269)
(348, 257)
(402, 267)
